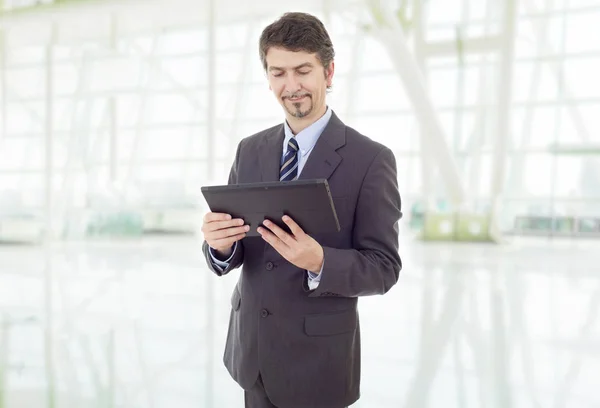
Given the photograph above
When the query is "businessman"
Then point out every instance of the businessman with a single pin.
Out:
(294, 334)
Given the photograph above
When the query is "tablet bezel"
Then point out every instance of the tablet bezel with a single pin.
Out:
(210, 193)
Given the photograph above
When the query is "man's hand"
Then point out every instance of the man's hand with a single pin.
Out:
(298, 248)
(221, 232)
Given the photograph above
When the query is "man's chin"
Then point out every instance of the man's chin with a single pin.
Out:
(296, 112)
(299, 114)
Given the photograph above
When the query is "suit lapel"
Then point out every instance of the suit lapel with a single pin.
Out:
(270, 154)
(322, 161)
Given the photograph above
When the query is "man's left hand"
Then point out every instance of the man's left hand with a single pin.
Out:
(298, 248)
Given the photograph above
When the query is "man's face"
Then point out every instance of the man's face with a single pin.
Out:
(298, 81)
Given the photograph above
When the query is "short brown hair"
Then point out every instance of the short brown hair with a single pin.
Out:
(297, 32)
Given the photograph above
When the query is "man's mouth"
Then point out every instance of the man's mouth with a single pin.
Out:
(296, 98)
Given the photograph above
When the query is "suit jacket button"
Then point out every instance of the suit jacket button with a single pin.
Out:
(269, 266)
(264, 313)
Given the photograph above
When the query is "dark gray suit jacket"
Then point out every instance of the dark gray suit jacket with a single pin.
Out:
(306, 343)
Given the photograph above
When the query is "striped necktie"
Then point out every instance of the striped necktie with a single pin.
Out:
(289, 169)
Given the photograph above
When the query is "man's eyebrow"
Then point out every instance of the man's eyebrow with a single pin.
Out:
(305, 65)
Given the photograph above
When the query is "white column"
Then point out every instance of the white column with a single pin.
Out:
(47, 303)
(504, 106)
(392, 37)
(419, 44)
(211, 96)
(4, 358)
(477, 139)
(210, 285)
(3, 84)
(112, 111)
(49, 135)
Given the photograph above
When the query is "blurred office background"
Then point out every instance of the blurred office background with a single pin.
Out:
(114, 113)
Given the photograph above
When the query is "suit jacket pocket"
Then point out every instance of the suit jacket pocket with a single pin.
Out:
(331, 323)
(236, 299)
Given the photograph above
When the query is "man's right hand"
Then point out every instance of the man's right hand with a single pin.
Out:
(221, 232)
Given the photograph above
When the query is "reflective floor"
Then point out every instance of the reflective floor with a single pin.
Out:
(141, 324)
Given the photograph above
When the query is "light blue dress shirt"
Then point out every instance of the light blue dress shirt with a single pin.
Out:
(306, 139)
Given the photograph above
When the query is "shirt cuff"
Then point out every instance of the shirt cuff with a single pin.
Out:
(314, 279)
(221, 264)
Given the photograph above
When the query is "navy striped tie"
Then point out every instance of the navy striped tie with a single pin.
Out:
(289, 168)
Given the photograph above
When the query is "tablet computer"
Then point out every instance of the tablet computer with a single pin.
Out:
(308, 202)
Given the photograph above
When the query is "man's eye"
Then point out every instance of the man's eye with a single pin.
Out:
(304, 72)
(278, 74)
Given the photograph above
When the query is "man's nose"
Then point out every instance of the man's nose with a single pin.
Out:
(292, 84)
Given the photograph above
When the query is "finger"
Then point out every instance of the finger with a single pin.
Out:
(295, 228)
(211, 217)
(226, 242)
(228, 232)
(218, 225)
(273, 240)
(281, 234)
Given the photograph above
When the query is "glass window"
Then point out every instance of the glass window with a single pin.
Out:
(581, 76)
(442, 86)
(572, 124)
(230, 67)
(539, 36)
(236, 35)
(26, 83)
(535, 81)
(535, 127)
(24, 54)
(180, 72)
(18, 191)
(590, 119)
(484, 175)
(20, 153)
(184, 41)
(25, 117)
(171, 108)
(375, 56)
(409, 176)
(583, 32)
(261, 103)
(444, 11)
(396, 131)
(67, 78)
(569, 177)
(173, 143)
(118, 73)
(535, 175)
(380, 93)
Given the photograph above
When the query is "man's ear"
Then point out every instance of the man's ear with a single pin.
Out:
(329, 73)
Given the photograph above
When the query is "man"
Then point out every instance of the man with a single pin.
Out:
(294, 336)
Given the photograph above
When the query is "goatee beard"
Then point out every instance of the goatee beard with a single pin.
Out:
(298, 113)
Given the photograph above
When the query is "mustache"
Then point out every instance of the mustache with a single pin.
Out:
(296, 95)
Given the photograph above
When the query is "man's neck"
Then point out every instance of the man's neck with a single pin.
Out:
(299, 124)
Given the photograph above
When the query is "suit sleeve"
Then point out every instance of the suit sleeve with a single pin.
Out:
(238, 254)
(373, 265)
(236, 259)
(223, 264)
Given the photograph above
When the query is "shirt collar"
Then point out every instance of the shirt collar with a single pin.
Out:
(308, 137)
